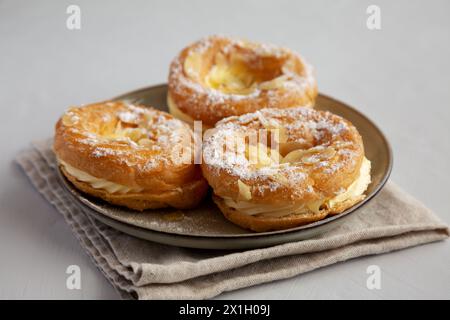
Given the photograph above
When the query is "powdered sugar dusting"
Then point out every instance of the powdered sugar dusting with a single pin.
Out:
(290, 81)
(128, 117)
(326, 131)
(128, 133)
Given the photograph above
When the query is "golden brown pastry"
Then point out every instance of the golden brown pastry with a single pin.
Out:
(129, 155)
(281, 168)
(218, 77)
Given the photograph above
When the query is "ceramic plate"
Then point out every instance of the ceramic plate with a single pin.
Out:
(205, 227)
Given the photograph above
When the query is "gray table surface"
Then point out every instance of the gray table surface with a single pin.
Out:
(399, 76)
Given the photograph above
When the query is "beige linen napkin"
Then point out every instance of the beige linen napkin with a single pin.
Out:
(145, 270)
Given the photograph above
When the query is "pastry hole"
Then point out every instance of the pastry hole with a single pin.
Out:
(238, 68)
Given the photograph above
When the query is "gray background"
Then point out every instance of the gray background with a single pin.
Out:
(399, 76)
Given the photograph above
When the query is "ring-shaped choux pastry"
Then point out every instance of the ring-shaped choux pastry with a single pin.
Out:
(218, 77)
(129, 155)
(281, 168)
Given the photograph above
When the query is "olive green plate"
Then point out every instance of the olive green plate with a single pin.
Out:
(205, 227)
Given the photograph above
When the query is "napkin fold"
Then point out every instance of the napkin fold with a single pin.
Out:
(141, 269)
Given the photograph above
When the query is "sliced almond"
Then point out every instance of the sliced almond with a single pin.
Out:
(145, 142)
(281, 179)
(245, 192)
(70, 119)
(327, 154)
(314, 206)
(294, 156)
(134, 134)
(310, 159)
(192, 65)
(148, 119)
(309, 156)
(287, 147)
(259, 155)
(274, 83)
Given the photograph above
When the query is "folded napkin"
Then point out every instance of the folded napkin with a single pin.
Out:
(146, 270)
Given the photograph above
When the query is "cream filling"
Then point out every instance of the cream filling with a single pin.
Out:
(355, 190)
(98, 183)
(230, 78)
(230, 75)
(177, 113)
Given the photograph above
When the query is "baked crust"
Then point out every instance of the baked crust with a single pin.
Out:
(130, 146)
(188, 196)
(332, 151)
(263, 224)
(296, 84)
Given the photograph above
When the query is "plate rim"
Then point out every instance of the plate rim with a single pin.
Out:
(204, 242)
(250, 234)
